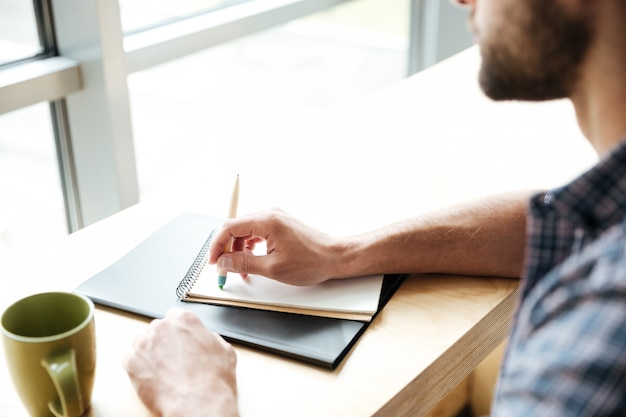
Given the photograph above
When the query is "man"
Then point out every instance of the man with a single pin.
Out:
(567, 350)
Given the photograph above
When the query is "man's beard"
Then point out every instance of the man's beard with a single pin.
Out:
(546, 65)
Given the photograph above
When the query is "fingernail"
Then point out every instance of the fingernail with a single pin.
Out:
(225, 262)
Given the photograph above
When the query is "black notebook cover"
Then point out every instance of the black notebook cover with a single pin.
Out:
(145, 280)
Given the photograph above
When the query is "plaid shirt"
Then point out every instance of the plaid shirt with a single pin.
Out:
(567, 349)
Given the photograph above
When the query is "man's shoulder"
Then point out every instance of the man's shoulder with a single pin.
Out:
(595, 270)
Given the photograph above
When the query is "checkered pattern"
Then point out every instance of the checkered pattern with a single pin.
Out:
(567, 350)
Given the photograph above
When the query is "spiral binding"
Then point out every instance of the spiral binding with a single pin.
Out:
(195, 270)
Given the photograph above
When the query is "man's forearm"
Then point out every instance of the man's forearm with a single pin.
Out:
(482, 237)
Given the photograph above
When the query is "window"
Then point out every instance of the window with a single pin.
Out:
(141, 14)
(276, 80)
(31, 202)
(109, 86)
(19, 36)
(32, 85)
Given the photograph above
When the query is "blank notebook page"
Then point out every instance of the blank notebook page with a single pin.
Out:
(360, 295)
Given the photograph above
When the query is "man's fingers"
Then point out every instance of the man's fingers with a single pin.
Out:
(242, 263)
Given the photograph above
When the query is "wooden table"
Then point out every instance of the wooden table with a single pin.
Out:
(430, 141)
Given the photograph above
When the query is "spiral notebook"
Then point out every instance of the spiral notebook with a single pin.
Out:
(157, 273)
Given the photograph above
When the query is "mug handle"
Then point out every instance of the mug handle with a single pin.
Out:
(62, 369)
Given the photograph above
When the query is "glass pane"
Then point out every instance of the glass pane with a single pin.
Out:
(138, 14)
(279, 79)
(31, 202)
(18, 31)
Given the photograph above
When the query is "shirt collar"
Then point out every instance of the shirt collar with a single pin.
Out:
(597, 199)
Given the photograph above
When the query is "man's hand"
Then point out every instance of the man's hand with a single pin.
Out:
(296, 253)
(179, 368)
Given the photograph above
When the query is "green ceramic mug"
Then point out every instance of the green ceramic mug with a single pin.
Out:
(50, 347)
